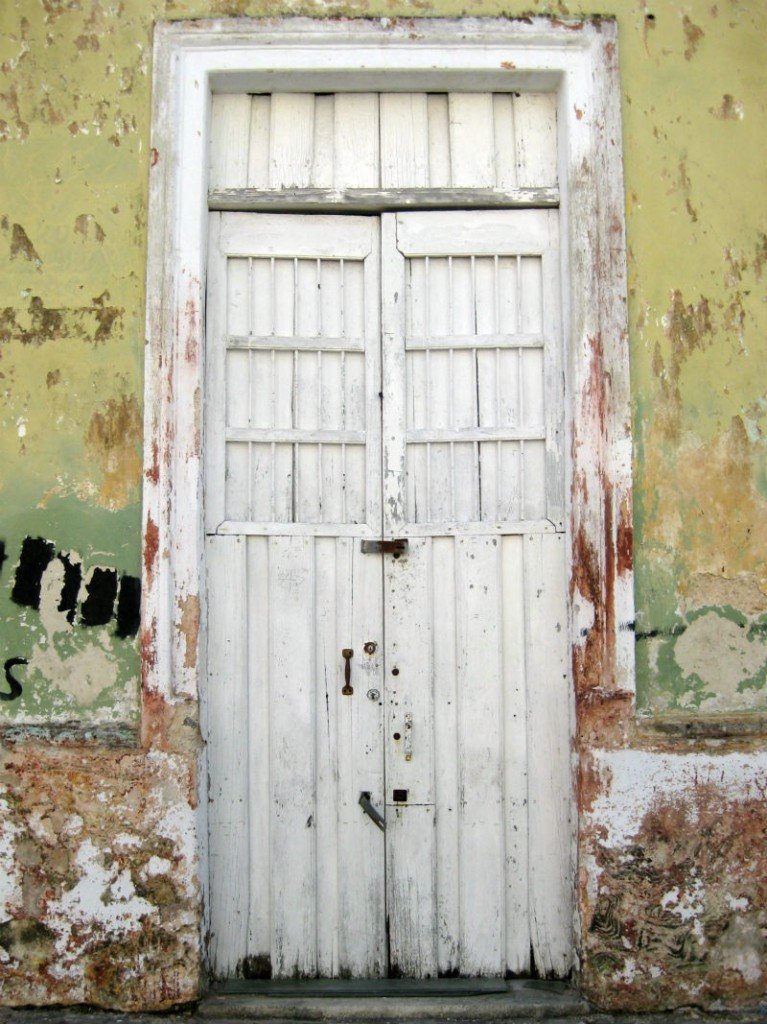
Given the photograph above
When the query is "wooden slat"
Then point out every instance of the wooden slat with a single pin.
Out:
(331, 581)
(472, 144)
(472, 341)
(322, 165)
(292, 435)
(411, 846)
(215, 378)
(505, 143)
(292, 746)
(291, 140)
(361, 908)
(515, 784)
(535, 130)
(404, 140)
(255, 600)
(480, 752)
(375, 200)
(258, 149)
(446, 783)
(228, 816)
(548, 737)
(229, 141)
(439, 141)
(463, 434)
(356, 148)
(321, 343)
(362, 530)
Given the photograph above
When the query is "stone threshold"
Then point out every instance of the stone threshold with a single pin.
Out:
(448, 999)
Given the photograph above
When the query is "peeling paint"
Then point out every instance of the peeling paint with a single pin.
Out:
(113, 441)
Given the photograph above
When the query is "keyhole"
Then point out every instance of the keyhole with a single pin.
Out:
(395, 671)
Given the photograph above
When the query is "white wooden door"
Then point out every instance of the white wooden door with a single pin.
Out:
(292, 464)
(477, 720)
(457, 726)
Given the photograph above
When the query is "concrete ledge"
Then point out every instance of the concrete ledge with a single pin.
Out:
(522, 999)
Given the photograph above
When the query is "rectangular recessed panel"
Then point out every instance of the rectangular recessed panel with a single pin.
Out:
(295, 390)
(475, 412)
(395, 140)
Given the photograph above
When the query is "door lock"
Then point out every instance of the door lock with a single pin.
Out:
(370, 647)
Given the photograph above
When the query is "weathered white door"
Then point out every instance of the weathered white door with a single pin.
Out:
(477, 727)
(407, 387)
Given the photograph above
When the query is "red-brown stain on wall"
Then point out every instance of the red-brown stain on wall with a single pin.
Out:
(188, 626)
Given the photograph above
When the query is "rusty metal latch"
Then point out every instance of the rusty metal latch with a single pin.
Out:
(394, 547)
(374, 815)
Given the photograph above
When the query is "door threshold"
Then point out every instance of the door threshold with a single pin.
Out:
(383, 999)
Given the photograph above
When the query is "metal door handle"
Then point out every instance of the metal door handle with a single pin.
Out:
(347, 654)
(374, 815)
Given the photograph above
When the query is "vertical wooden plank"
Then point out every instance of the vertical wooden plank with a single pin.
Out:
(256, 600)
(515, 746)
(393, 378)
(229, 139)
(291, 140)
(331, 578)
(228, 753)
(404, 140)
(439, 140)
(446, 785)
(215, 378)
(292, 736)
(356, 148)
(554, 377)
(535, 129)
(503, 131)
(322, 165)
(361, 851)
(258, 149)
(480, 756)
(472, 143)
(548, 737)
(411, 849)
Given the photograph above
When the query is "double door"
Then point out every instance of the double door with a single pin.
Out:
(387, 699)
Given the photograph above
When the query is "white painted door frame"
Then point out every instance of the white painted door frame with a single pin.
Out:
(579, 62)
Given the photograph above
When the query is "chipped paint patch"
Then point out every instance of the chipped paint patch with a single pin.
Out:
(666, 844)
(113, 441)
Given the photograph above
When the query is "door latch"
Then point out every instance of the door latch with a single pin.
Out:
(347, 654)
(375, 816)
(394, 547)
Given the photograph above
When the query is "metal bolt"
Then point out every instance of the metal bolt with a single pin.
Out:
(374, 694)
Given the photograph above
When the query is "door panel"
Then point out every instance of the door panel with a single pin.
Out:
(293, 438)
(475, 612)
(438, 421)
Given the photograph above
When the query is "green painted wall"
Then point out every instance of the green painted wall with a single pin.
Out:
(74, 149)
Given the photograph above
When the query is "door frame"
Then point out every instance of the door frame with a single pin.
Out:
(578, 61)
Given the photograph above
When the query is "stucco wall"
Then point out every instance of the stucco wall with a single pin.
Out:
(74, 158)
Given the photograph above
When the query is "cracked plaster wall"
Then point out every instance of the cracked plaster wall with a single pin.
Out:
(97, 844)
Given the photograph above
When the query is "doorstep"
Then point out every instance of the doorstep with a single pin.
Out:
(396, 999)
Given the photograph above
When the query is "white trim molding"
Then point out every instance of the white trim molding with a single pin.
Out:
(575, 60)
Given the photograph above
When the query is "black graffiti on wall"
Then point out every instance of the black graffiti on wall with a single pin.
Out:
(107, 594)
